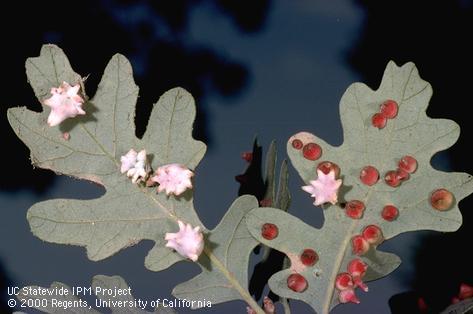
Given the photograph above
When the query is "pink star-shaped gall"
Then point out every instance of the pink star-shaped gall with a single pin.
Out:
(188, 241)
(173, 178)
(324, 189)
(135, 165)
(65, 103)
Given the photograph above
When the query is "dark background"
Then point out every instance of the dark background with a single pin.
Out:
(262, 67)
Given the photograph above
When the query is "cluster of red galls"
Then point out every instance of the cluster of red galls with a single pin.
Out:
(347, 282)
(371, 235)
(387, 110)
(369, 175)
(407, 165)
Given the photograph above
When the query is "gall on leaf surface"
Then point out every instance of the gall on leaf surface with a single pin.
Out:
(412, 133)
(99, 283)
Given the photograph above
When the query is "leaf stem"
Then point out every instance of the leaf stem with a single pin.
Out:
(285, 305)
(242, 291)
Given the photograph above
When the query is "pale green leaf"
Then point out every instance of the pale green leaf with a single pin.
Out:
(127, 213)
(410, 133)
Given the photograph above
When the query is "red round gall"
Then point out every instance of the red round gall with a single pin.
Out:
(373, 234)
(311, 151)
(369, 175)
(269, 231)
(297, 144)
(359, 245)
(327, 166)
(441, 199)
(378, 120)
(389, 212)
(354, 209)
(408, 163)
(309, 257)
(357, 268)
(344, 281)
(391, 178)
(389, 109)
(297, 283)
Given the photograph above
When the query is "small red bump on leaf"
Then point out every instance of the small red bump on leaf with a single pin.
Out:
(269, 231)
(297, 144)
(348, 295)
(373, 234)
(369, 175)
(354, 209)
(297, 283)
(422, 305)
(247, 156)
(466, 291)
(359, 245)
(408, 163)
(441, 199)
(309, 257)
(357, 268)
(390, 212)
(265, 202)
(389, 109)
(66, 136)
(311, 151)
(378, 120)
(392, 179)
(344, 281)
(402, 174)
(327, 166)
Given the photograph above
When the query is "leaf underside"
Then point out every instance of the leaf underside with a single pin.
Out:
(410, 133)
(127, 213)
